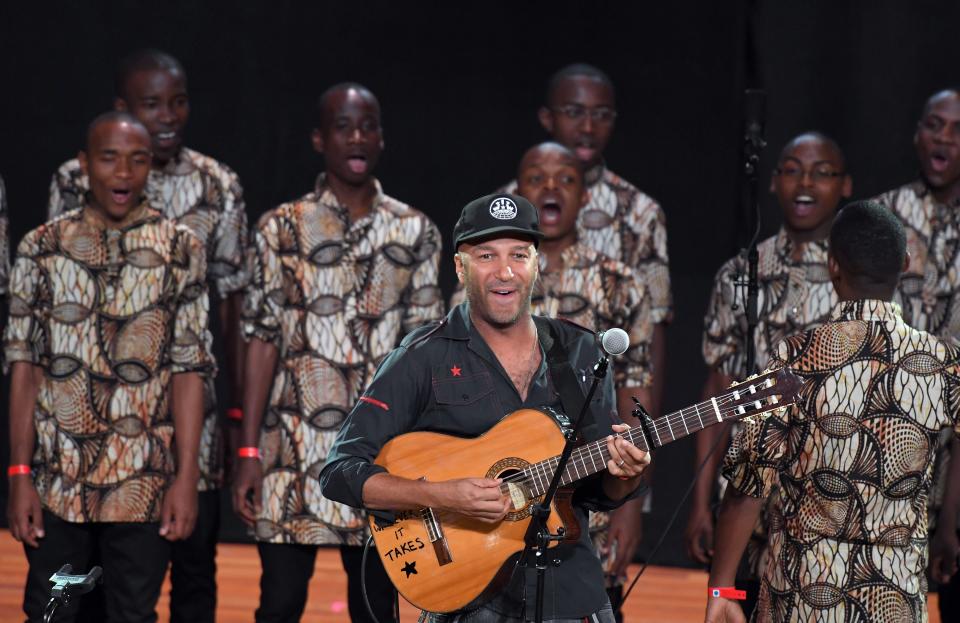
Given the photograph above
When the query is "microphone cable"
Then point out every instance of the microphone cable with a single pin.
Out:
(363, 586)
(673, 517)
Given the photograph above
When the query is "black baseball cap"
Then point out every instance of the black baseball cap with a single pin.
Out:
(499, 213)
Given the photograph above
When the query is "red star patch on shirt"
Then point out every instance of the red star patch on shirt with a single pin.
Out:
(455, 370)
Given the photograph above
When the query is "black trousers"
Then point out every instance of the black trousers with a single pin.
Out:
(193, 569)
(133, 555)
(286, 570)
(193, 566)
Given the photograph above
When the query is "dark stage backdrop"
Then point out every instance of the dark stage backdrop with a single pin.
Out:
(460, 83)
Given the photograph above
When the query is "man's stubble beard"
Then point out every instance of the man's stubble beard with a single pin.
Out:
(474, 295)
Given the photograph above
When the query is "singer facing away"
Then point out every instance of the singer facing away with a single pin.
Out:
(486, 359)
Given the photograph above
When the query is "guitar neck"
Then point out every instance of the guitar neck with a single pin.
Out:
(592, 457)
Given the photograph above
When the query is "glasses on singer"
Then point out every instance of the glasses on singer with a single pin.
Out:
(597, 115)
(817, 175)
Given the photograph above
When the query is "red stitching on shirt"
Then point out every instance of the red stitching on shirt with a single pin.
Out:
(375, 402)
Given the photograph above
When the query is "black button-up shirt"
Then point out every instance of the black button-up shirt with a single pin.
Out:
(446, 379)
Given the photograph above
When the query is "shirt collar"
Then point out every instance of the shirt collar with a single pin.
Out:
(178, 165)
(458, 326)
(326, 197)
(138, 215)
(813, 251)
(868, 310)
(923, 190)
(595, 174)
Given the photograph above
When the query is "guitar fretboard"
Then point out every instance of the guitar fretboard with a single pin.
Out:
(592, 457)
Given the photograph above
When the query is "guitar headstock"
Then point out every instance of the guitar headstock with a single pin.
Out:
(761, 394)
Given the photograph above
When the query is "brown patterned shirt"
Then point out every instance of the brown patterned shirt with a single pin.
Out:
(794, 296)
(853, 460)
(4, 240)
(205, 195)
(110, 315)
(335, 297)
(929, 290)
(623, 223)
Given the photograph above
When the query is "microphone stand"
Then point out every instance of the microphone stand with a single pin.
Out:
(753, 145)
(539, 537)
(67, 586)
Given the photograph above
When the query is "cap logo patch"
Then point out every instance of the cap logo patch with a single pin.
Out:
(503, 208)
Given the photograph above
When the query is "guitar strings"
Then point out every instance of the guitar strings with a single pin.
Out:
(548, 469)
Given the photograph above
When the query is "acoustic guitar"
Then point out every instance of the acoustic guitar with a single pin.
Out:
(444, 562)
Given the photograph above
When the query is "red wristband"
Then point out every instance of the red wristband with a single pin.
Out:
(18, 470)
(235, 414)
(249, 453)
(728, 592)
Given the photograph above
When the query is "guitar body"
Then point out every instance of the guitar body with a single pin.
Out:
(444, 562)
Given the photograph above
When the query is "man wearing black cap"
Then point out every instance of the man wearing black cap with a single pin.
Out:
(486, 359)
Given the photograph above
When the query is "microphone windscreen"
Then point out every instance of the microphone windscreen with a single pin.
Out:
(615, 341)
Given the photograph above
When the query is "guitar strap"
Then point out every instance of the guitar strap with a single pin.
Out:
(561, 372)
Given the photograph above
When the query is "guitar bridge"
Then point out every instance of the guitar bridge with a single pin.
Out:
(435, 533)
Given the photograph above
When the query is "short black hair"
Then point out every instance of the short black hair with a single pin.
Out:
(111, 116)
(955, 90)
(869, 243)
(577, 70)
(553, 146)
(342, 86)
(820, 136)
(140, 60)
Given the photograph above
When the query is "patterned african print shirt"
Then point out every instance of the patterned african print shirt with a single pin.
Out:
(853, 461)
(623, 223)
(929, 290)
(4, 240)
(110, 315)
(335, 296)
(794, 296)
(205, 195)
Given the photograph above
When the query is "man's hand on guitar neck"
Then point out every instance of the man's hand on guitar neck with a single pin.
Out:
(626, 465)
(479, 498)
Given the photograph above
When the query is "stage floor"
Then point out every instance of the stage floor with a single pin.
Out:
(663, 595)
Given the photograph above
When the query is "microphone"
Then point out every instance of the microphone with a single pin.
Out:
(613, 341)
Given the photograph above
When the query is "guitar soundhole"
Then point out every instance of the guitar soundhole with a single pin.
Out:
(515, 485)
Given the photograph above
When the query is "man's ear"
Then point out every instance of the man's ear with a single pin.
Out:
(906, 261)
(545, 115)
(847, 191)
(458, 264)
(120, 104)
(317, 139)
(82, 158)
(833, 267)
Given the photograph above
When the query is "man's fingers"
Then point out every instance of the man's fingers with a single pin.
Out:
(166, 517)
(486, 483)
(36, 514)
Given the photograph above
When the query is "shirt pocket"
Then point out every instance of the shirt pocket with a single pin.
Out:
(462, 391)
